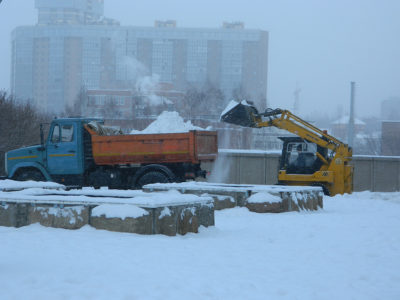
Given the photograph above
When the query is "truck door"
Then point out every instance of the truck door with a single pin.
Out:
(62, 149)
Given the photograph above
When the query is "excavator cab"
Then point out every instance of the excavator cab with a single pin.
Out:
(299, 156)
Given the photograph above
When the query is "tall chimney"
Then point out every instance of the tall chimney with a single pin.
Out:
(350, 132)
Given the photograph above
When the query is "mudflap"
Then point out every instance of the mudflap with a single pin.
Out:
(241, 114)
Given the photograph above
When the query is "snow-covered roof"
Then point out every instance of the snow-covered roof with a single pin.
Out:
(345, 120)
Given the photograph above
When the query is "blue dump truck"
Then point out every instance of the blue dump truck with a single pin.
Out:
(82, 152)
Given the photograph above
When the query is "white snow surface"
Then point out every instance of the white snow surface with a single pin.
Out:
(247, 151)
(166, 212)
(9, 184)
(104, 196)
(263, 197)
(168, 122)
(121, 211)
(348, 250)
(209, 186)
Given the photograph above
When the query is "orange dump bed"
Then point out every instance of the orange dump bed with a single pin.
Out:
(190, 147)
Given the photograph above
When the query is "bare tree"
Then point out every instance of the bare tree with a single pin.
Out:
(80, 105)
(206, 102)
(19, 125)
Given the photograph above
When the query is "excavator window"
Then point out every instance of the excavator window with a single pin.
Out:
(300, 158)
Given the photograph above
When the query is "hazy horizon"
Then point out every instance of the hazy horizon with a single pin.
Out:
(317, 46)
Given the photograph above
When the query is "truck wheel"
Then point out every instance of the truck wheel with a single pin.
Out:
(26, 175)
(152, 177)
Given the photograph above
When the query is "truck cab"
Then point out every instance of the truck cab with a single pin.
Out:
(59, 158)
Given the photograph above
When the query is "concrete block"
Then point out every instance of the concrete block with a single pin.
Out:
(239, 198)
(265, 207)
(293, 198)
(188, 220)
(287, 203)
(222, 201)
(305, 200)
(14, 214)
(165, 220)
(206, 215)
(140, 225)
(67, 217)
(320, 200)
(8, 212)
(265, 203)
(171, 220)
(225, 200)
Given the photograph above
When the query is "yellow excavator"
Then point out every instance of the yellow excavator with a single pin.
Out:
(312, 157)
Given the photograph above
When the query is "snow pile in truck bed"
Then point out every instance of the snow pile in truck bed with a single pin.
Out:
(168, 122)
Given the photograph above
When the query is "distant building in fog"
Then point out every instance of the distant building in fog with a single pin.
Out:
(340, 127)
(390, 138)
(74, 46)
(390, 109)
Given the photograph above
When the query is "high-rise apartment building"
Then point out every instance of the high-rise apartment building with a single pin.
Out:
(74, 46)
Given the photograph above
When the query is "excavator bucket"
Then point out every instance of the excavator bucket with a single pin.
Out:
(242, 114)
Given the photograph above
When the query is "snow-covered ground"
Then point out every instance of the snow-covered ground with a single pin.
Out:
(348, 250)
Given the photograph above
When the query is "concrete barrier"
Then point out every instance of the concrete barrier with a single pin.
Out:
(376, 173)
(257, 198)
(167, 214)
(371, 173)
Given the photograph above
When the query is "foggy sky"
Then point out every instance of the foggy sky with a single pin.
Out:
(318, 45)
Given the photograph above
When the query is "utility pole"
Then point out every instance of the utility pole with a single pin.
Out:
(350, 128)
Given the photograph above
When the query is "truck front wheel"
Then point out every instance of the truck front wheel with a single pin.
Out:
(25, 175)
(152, 177)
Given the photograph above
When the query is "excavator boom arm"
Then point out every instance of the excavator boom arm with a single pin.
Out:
(284, 119)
